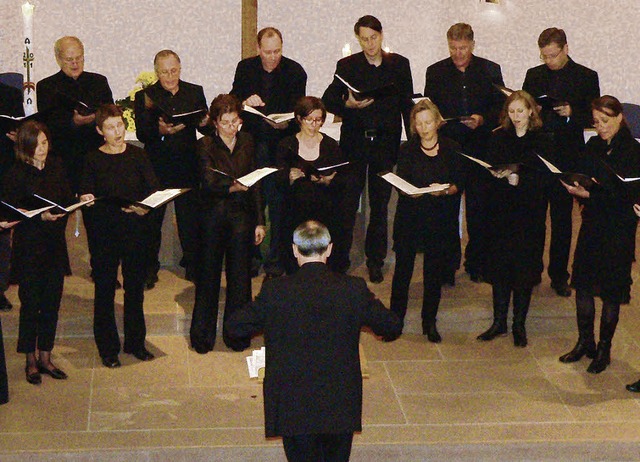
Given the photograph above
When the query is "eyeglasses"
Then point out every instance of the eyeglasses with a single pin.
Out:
(546, 58)
(169, 72)
(312, 121)
(229, 123)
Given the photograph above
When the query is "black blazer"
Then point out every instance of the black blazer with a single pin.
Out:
(312, 323)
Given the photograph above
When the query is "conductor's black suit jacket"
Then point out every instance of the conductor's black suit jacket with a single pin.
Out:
(312, 321)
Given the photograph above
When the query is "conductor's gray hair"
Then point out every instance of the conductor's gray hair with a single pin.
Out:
(311, 238)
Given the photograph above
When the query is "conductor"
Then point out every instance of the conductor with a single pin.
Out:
(311, 322)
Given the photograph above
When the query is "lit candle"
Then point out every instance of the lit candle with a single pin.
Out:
(27, 58)
(346, 50)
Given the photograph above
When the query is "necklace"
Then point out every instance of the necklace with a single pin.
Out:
(431, 148)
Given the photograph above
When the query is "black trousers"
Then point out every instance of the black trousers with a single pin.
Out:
(560, 210)
(521, 301)
(120, 238)
(188, 221)
(322, 447)
(375, 156)
(230, 239)
(432, 273)
(40, 294)
(4, 383)
(5, 260)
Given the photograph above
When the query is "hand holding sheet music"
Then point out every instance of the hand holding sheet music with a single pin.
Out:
(409, 189)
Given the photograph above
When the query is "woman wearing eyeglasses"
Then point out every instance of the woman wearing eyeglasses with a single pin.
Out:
(232, 221)
(310, 193)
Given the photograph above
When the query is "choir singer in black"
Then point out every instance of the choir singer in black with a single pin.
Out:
(606, 242)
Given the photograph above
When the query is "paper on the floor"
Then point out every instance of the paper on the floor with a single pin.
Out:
(255, 362)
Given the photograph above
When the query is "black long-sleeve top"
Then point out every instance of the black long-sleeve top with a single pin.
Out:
(213, 153)
(279, 89)
(38, 245)
(69, 140)
(429, 222)
(127, 176)
(172, 156)
(575, 84)
(384, 114)
(458, 93)
(606, 242)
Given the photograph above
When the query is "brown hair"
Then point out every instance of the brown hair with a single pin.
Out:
(27, 140)
(424, 105)
(306, 105)
(224, 104)
(367, 21)
(609, 105)
(535, 122)
(552, 35)
(269, 32)
(105, 111)
(460, 31)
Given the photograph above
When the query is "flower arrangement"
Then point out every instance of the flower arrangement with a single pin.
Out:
(144, 79)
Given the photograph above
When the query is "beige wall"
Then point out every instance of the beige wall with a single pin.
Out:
(121, 37)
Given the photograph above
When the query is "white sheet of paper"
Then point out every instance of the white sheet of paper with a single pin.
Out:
(410, 189)
(252, 178)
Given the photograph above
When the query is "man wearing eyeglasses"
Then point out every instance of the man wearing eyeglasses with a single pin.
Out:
(67, 102)
(569, 89)
(171, 149)
(270, 83)
(370, 134)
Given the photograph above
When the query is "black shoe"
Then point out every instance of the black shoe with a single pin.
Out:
(111, 361)
(151, 280)
(5, 305)
(56, 373)
(562, 289)
(519, 336)
(496, 330)
(375, 274)
(602, 359)
(34, 378)
(634, 387)
(142, 354)
(581, 349)
(431, 332)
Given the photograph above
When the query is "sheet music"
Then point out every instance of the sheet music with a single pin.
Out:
(410, 189)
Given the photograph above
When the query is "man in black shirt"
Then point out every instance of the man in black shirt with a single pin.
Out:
(370, 135)
(171, 148)
(60, 98)
(463, 88)
(271, 83)
(573, 87)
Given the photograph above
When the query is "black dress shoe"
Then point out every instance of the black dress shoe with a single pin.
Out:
(375, 274)
(581, 349)
(496, 330)
(432, 333)
(5, 305)
(519, 337)
(111, 361)
(562, 289)
(634, 387)
(142, 354)
(55, 373)
(34, 378)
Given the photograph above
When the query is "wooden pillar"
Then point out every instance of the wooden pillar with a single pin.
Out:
(249, 27)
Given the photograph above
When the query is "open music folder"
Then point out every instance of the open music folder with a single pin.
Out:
(276, 117)
(408, 188)
(10, 212)
(59, 209)
(512, 166)
(569, 178)
(249, 179)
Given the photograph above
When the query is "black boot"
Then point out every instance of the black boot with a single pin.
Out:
(585, 313)
(602, 359)
(429, 329)
(501, 296)
(521, 301)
